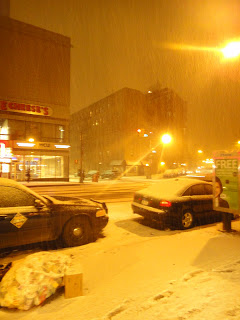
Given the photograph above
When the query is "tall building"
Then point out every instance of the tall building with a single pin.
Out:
(34, 101)
(123, 130)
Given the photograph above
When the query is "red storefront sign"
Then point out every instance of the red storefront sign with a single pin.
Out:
(25, 108)
(8, 143)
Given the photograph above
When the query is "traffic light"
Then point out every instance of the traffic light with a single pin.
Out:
(141, 132)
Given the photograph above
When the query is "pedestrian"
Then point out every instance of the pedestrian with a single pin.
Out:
(28, 175)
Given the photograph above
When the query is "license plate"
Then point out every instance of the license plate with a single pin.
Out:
(145, 202)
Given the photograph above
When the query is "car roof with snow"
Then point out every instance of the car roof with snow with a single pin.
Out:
(14, 184)
(170, 187)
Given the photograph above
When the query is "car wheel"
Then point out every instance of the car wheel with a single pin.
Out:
(77, 232)
(187, 220)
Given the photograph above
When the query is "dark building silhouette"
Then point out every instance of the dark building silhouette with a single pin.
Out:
(122, 131)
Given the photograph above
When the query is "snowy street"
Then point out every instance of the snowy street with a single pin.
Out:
(136, 272)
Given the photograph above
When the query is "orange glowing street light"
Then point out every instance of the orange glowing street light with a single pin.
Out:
(166, 138)
(231, 50)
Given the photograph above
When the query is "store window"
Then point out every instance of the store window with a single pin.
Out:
(41, 167)
(48, 132)
(60, 133)
(33, 130)
(52, 167)
(33, 163)
(52, 133)
(4, 129)
(16, 129)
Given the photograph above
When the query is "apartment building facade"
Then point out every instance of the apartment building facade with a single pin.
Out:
(123, 130)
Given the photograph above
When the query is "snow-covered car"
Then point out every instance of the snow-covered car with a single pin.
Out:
(109, 174)
(27, 217)
(177, 202)
(171, 173)
(91, 173)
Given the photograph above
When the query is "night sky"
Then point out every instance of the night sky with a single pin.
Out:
(133, 43)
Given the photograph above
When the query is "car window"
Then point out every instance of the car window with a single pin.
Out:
(208, 189)
(188, 192)
(198, 189)
(13, 197)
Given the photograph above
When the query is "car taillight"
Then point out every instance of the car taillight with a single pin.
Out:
(138, 198)
(165, 203)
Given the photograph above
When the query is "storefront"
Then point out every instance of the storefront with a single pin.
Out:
(42, 164)
(44, 161)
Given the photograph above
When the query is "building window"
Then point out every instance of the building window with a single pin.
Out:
(41, 167)
(60, 133)
(48, 132)
(4, 130)
(33, 130)
(17, 129)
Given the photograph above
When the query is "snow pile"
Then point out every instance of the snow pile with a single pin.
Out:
(32, 280)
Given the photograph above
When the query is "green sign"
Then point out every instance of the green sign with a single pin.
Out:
(226, 184)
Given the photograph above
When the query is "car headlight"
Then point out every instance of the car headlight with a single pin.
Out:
(100, 213)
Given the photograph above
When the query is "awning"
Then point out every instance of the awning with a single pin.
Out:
(118, 163)
(134, 163)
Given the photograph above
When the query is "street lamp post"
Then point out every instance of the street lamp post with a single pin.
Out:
(81, 160)
(166, 139)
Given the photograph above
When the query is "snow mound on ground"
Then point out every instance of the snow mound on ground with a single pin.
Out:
(32, 280)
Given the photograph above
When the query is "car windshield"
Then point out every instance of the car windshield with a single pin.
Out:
(169, 187)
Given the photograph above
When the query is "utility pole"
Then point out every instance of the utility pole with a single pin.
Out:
(81, 158)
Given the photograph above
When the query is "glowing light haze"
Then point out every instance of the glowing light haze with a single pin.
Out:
(135, 44)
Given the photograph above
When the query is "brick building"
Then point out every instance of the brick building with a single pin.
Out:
(34, 101)
(105, 134)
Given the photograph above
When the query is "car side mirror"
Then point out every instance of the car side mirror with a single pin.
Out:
(38, 204)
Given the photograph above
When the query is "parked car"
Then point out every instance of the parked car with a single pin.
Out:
(27, 217)
(170, 173)
(91, 173)
(177, 202)
(109, 174)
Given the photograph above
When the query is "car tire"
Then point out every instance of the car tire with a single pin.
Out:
(186, 220)
(77, 232)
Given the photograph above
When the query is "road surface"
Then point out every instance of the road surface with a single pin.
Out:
(110, 191)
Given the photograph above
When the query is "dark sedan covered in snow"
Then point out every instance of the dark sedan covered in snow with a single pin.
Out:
(27, 217)
(177, 202)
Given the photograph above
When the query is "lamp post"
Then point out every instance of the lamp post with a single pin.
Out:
(165, 139)
(81, 160)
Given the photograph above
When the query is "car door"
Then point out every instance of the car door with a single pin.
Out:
(208, 199)
(197, 193)
(201, 199)
(20, 221)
